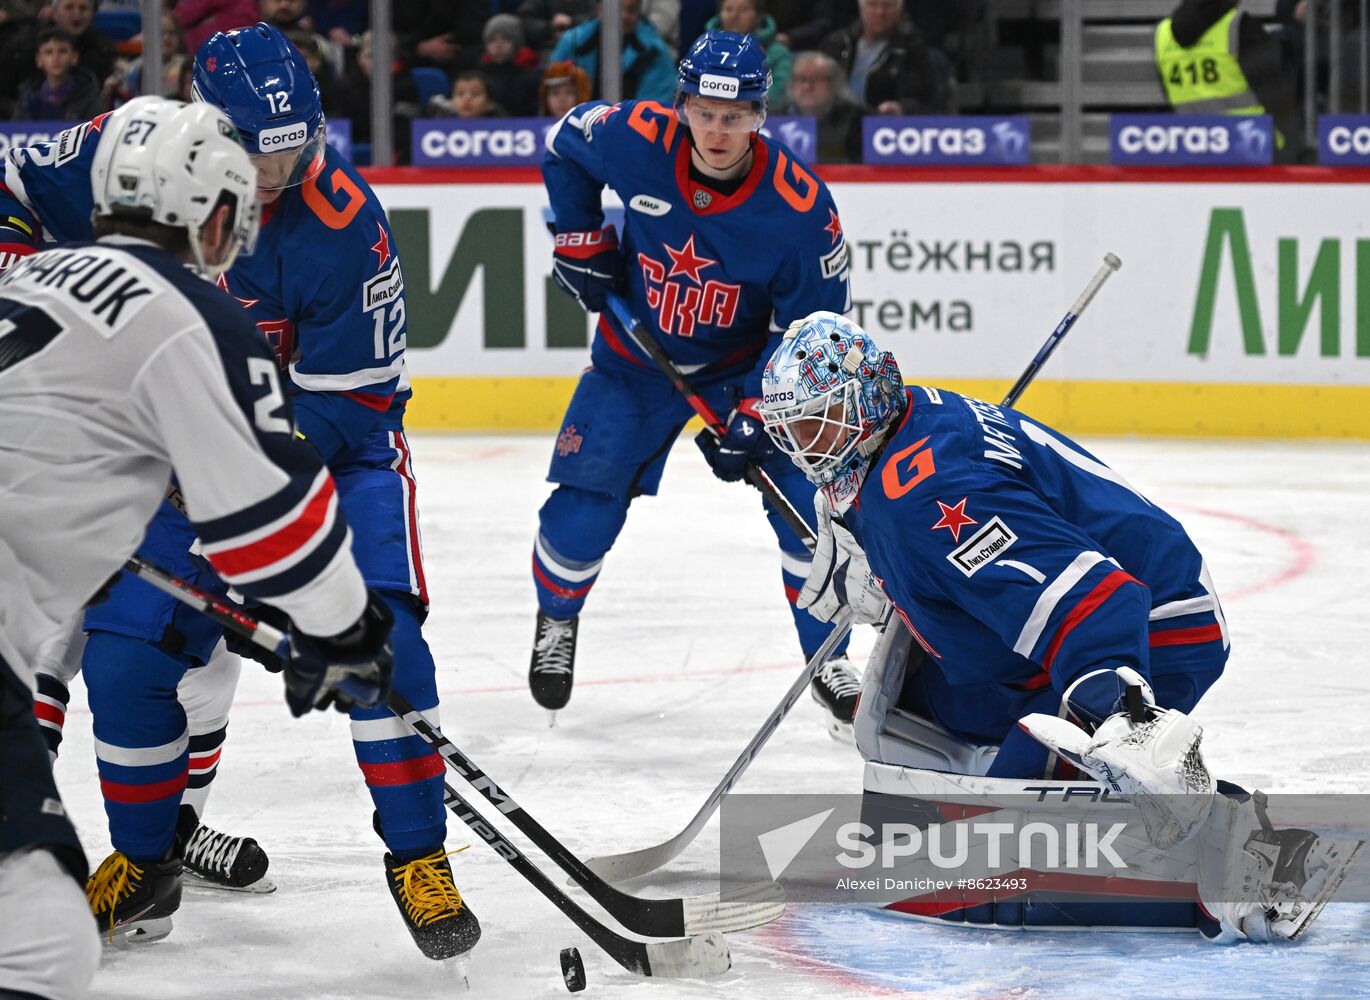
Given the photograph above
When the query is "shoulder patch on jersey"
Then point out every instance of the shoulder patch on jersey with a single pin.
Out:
(933, 395)
(384, 288)
(983, 547)
(595, 116)
(648, 205)
(834, 263)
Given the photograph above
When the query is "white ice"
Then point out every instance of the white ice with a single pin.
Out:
(685, 645)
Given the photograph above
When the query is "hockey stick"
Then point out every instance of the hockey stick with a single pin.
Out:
(617, 867)
(754, 473)
(650, 917)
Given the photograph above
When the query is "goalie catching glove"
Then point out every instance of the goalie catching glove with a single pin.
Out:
(1149, 754)
(840, 576)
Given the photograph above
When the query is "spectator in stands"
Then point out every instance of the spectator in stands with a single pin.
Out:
(470, 98)
(545, 21)
(340, 21)
(648, 66)
(201, 18)
(1202, 74)
(749, 17)
(510, 67)
(818, 88)
(174, 59)
(75, 17)
(665, 18)
(352, 99)
(887, 63)
(564, 85)
(442, 34)
(291, 17)
(63, 90)
(803, 24)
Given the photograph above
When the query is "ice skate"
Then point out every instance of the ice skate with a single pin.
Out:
(132, 902)
(552, 670)
(216, 860)
(441, 923)
(836, 688)
(1292, 874)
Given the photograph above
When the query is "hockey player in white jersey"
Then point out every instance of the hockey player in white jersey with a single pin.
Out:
(120, 365)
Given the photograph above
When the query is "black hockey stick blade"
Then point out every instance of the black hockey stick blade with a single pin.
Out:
(649, 917)
(688, 958)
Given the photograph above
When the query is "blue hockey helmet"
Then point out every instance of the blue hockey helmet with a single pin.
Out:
(828, 395)
(260, 80)
(726, 66)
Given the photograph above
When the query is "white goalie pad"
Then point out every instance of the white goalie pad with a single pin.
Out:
(1258, 882)
(887, 734)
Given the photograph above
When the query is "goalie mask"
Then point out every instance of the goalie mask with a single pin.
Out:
(828, 395)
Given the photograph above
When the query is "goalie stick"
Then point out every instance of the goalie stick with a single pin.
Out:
(617, 867)
(754, 473)
(674, 917)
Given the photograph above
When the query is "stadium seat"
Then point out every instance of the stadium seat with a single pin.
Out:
(431, 82)
(118, 25)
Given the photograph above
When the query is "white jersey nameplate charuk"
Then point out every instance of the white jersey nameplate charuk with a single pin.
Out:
(94, 283)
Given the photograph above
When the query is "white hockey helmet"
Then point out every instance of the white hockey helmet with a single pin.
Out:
(166, 161)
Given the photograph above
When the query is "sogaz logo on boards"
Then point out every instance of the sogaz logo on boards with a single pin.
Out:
(1344, 140)
(1191, 140)
(945, 139)
(479, 142)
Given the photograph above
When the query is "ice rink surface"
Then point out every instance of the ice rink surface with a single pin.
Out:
(685, 645)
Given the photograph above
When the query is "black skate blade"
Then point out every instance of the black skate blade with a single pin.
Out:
(191, 880)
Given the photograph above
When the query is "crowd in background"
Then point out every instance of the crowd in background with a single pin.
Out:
(835, 60)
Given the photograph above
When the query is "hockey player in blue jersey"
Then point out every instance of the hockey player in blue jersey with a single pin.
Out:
(325, 288)
(727, 239)
(1033, 586)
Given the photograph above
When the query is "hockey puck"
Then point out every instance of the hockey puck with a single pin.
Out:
(572, 970)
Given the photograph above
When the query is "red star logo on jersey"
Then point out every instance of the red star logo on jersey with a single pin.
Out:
(222, 282)
(382, 247)
(834, 227)
(685, 261)
(954, 518)
(98, 122)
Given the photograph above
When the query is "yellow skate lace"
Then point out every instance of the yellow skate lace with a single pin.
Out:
(114, 880)
(427, 892)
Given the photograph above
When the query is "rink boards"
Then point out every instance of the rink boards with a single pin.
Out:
(1242, 308)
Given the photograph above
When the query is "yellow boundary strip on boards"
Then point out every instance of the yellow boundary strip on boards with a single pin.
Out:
(1159, 409)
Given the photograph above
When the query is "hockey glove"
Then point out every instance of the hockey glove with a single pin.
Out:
(587, 266)
(839, 575)
(353, 668)
(1149, 754)
(249, 650)
(746, 441)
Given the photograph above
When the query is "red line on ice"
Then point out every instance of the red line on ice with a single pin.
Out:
(1302, 558)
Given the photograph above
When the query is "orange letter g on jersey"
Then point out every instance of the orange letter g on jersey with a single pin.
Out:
(917, 467)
